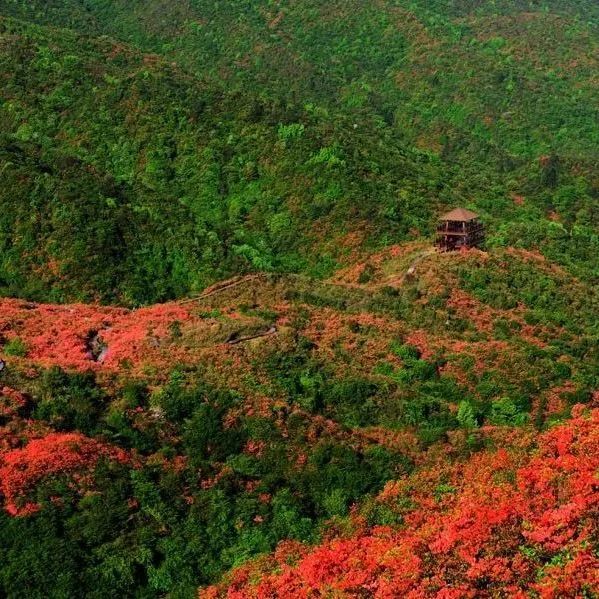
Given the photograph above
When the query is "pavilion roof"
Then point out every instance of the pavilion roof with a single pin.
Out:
(459, 214)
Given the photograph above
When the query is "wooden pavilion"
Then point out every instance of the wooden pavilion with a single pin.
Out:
(458, 229)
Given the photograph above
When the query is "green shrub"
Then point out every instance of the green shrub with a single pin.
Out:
(505, 412)
(15, 347)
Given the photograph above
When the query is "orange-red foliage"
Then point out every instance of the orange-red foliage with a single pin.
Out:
(466, 306)
(350, 275)
(364, 335)
(57, 453)
(506, 524)
(10, 401)
(56, 335)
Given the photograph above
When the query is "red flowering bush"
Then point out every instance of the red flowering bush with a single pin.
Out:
(11, 401)
(502, 524)
(60, 335)
(54, 455)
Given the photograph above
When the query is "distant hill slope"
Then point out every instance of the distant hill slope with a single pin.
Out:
(284, 136)
(486, 326)
(127, 179)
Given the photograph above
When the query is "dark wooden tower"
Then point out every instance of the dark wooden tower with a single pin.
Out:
(459, 228)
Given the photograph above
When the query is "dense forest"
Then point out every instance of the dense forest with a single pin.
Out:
(186, 141)
(232, 365)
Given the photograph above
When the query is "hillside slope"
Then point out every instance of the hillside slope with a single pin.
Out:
(519, 522)
(147, 183)
(149, 451)
(231, 359)
(260, 137)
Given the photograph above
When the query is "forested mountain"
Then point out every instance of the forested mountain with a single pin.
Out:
(320, 405)
(207, 139)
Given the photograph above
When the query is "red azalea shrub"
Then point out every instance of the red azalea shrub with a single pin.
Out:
(363, 334)
(11, 401)
(58, 335)
(56, 454)
(503, 524)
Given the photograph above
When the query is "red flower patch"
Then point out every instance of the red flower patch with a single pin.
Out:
(56, 454)
(502, 522)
